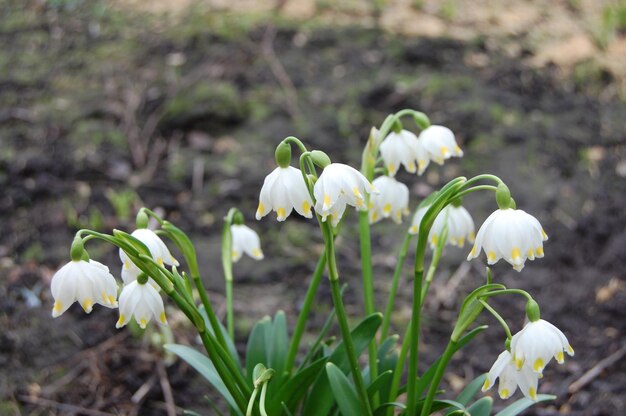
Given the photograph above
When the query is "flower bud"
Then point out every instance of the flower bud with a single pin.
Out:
(283, 154)
(142, 278)
(238, 218)
(77, 250)
(532, 311)
(320, 158)
(397, 127)
(503, 196)
(142, 219)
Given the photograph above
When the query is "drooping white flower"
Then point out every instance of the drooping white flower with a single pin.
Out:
(142, 301)
(512, 235)
(245, 240)
(392, 201)
(159, 251)
(510, 378)
(459, 221)
(397, 149)
(437, 142)
(284, 190)
(340, 185)
(86, 282)
(537, 343)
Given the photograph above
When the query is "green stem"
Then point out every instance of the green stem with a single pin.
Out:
(204, 298)
(230, 323)
(384, 332)
(508, 292)
(414, 334)
(251, 402)
(225, 375)
(304, 312)
(434, 384)
(368, 290)
(262, 399)
(486, 176)
(333, 276)
(498, 317)
(399, 370)
(477, 188)
(434, 263)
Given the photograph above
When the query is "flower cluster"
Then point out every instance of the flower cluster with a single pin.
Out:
(531, 350)
(435, 143)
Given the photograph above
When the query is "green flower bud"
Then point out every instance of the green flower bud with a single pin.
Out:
(397, 126)
(142, 219)
(320, 158)
(78, 249)
(283, 154)
(142, 278)
(532, 311)
(503, 196)
(238, 218)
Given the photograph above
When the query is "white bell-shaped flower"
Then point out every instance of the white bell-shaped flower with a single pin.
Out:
(245, 240)
(141, 301)
(340, 185)
(510, 378)
(459, 221)
(438, 143)
(399, 148)
(392, 201)
(283, 191)
(537, 343)
(512, 235)
(159, 251)
(86, 282)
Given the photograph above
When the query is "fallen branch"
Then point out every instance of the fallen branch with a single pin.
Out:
(596, 370)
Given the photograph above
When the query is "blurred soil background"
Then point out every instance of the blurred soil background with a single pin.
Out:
(109, 106)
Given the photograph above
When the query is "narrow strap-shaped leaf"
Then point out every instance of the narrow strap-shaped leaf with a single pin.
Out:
(344, 392)
(523, 404)
(382, 409)
(481, 407)
(202, 364)
(427, 377)
(293, 390)
(320, 399)
(470, 390)
(381, 381)
(256, 350)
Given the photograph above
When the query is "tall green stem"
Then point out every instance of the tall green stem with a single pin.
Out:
(230, 311)
(414, 334)
(333, 276)
(399, 370)
(434, 384)
(384, 332)
(368, 289)
(304, 312)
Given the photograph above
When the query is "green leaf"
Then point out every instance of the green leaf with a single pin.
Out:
(279, 345)
(471, 389)
(387, 359)
(383, 380)
(256, 350)
(523, 404)
(471, 308)
(202, 364)
(424, 381)
(344, 392)
(293, 390)
(230, 346)
(320, 399)
(481, 407)
(382, 409)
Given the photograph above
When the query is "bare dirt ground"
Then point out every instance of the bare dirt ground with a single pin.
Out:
(106, 107)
